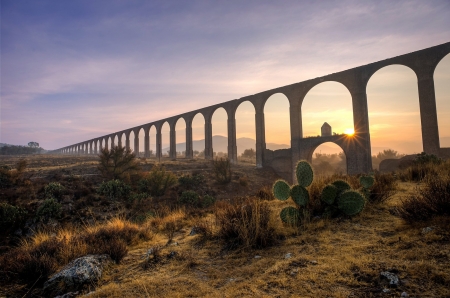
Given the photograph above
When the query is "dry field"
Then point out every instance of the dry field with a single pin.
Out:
(340, 257)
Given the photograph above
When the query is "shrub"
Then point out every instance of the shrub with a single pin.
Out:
(54, 190)
(189, 182)
(383, 188)
(114, 189)
(139, 197)
(117, 163)
(10, 176)
(222, 170)
(265, 193)
(10, 215)
(246, 223)
(157, 181)
(208, 200)
(50, 208)
(432, 200)
(190, 197)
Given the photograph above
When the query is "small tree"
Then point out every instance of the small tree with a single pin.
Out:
(249, 153)
(33, 144)
(117, 163)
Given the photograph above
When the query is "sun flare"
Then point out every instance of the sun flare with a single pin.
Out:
(350, 131)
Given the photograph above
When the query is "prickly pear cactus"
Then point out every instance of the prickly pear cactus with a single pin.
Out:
(290, 215)
(329, 194)
(281, 190)
(351, 202)
(300, 195)
(341, 185)
(366, 181)
(304, 173)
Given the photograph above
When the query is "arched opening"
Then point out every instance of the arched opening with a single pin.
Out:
(220, 133)
(329, 159)
(198, 136)
(165, 139)
(277, 122)
(442, 91)
(107, 143)
(246, 133)
(132, 142)
(180, 137)
(152, 140)
(123, 140)
(116, 140)
(394, 114)
(141, 142)
(327, 102)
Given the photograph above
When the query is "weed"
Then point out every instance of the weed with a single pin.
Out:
(11, 215)
(50, 208)
(190, 197)
(54, 190)
(222, 170)
(157, 181)
(433, 200)
(117, 163)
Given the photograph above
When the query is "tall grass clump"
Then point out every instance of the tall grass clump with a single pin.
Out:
(157, 181)
(430, 201)
(245, 223)
(222, 170)
(424, 166)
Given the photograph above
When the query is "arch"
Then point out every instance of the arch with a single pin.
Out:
(329, 158)
(376, 67)
(198, 135)
(131, 141)
(123, 139)
(277, 122)
(180, 137)
(152, 141)
(165, 139)
(327, 102)
(115, 139)
(246, 132)
(394, 114)
(219, 120)
(141, 136)
(442, 90)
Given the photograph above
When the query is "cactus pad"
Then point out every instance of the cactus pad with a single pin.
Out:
(351, 202)
(329, 194)
(290, 215)
(300, 195)
(341, 185)
(366, 181)
(281, 190)
(304, 173)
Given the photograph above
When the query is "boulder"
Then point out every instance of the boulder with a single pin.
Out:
(80, 271)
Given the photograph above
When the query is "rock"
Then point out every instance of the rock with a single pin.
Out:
(393, 279)
(83, 270)
(288, 255)
(404, 294)
(313, 262)
(194, 231)
(386, 291)
(172, 254)
(257, 257)
(427, 230)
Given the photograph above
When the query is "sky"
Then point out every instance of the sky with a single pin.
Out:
(75, 70)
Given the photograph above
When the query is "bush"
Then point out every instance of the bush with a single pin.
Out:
(189, 182)
(245, 224)
(10, 215)
(383, 188)
(190, 197)
(9, 177)
(208, 200)
(432, 200)
(50, 208)
(222, 170)
(139, 197)
(157, 181)
(265, 193)
(54, 190)
(114, 189)
(117, 163)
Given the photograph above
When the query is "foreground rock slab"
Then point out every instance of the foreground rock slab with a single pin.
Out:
(80, 271)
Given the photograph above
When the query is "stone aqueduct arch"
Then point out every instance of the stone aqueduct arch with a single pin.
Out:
(356, 148)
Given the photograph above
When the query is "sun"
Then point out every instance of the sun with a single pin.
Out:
(349, 131)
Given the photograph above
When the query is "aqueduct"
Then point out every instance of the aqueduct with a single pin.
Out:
(357, 148)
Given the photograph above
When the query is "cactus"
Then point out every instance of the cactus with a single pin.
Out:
(341, 185)
(281, 190)
(300, 195)
(366, 181)
(290, 215)
(351, 202)
(329, 194)
(304, 173)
